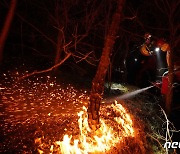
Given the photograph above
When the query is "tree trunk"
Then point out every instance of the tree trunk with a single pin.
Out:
(169, 95)
(59, 48)
(97, 89)
(170, 54)
(6, 27)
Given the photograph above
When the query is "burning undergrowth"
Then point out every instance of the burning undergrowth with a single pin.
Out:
(39, 115)
(117, 134)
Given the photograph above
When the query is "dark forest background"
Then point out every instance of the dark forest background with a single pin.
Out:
(43, 31)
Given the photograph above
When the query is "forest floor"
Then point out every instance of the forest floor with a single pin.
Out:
(40, 110)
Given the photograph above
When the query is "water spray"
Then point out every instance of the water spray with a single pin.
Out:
(127, 95)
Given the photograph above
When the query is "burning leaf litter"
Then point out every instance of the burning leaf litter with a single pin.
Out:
(102, 140)
(41, 115)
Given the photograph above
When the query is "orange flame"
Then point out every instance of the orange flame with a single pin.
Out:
(100, 141)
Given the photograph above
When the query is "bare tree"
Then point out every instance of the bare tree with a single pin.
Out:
(173, 6)
(71, 34)
(6, 26)
(97, 89)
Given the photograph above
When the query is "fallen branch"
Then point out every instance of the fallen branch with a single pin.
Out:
(47, 70)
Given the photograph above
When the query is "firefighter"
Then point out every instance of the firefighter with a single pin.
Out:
(163, 85)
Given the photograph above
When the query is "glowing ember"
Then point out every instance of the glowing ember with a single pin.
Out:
(33, 107)
(45, 112)
(94, 142)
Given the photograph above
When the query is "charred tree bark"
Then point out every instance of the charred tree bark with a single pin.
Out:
(97, 89)
(6, 27)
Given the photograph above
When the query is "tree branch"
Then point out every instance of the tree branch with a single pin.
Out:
(47, 70)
